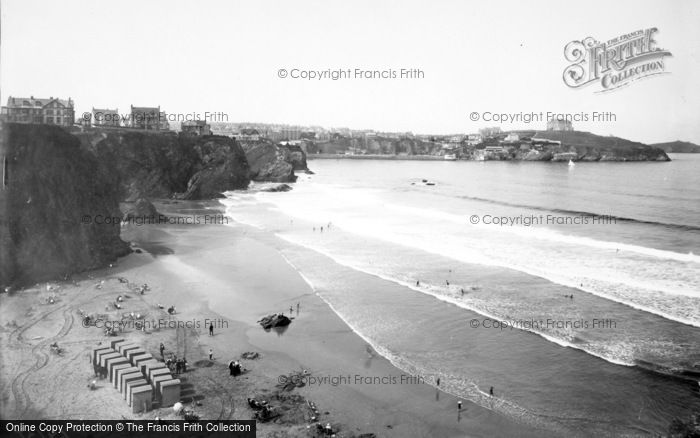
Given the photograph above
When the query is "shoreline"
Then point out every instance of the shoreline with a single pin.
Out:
(311, 157)
(185, 266)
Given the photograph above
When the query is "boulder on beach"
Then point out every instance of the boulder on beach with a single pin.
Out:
(275, 320)
(250, 355)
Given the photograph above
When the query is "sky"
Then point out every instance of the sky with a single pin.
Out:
(502, 57)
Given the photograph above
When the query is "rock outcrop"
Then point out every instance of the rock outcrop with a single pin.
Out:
(141, 209)
(269, 162)
(164, 165)
(296, 156)
(275, 320)
(221, 166)
(59, 213)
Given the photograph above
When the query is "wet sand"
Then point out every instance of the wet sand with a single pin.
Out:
(230, 275)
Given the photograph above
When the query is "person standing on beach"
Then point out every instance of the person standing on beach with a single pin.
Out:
(162, 350)
(459, 405)
(291, 310)
(491, 391)
(297, 309)
(230, 368)
(211, 354)
(211, 329)
(438, 381)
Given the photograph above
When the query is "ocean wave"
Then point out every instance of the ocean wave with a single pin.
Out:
(680, 227)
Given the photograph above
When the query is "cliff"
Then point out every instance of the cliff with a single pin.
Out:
(377, 146)
(296, 156)
(55, 207)
(678, 147)
(164, 165)
(587, 146)
(269, 162)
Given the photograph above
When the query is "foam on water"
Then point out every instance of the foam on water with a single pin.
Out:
(642, 278)
(457, 386)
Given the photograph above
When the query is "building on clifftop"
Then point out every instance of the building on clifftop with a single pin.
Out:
(51, 111)
(559, 125)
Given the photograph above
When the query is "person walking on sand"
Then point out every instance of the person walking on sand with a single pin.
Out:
(211, 329)
(230, 368)
(438, 381)
(162, 350)
(491, 391)
(211, 354)
(459, 405)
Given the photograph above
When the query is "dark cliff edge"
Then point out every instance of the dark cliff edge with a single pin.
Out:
(273, 163)
(168, 165)
(56, 207)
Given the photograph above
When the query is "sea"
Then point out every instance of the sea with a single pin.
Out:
(571, 290)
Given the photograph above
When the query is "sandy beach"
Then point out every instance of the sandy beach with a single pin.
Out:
(230, 275)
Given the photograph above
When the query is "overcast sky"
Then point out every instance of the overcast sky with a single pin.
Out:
(502, 57)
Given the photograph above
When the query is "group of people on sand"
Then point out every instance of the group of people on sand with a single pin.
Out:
(328, 227)
(235, 368)
(175, 364)
(264, 411)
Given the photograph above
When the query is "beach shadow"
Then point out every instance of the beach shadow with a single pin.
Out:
(155, 248)
(280, 330)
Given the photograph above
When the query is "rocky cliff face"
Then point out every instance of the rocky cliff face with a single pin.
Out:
(56, 208)
(585, 146)
(296, 156)
(163, 165)
(377, 146)
(269, 162)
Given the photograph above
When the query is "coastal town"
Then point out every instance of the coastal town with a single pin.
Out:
(558, 141)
